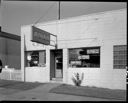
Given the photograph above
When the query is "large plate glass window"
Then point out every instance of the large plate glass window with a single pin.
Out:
(84, 57)
(119, 56)
(35, 58)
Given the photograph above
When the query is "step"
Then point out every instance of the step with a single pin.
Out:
(57, 79)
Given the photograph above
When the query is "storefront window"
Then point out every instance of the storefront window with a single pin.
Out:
(84, 57)
(36, 58)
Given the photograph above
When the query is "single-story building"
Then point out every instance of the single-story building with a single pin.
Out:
(93, 45)
(10, 50)
(10, 54)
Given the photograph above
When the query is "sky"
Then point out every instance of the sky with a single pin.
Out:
(14, 14)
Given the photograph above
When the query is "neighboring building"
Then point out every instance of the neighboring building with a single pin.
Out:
(93, 44)
(10, 50)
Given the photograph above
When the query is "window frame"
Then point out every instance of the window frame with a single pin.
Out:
(26, 61)
(120, 58)
(93, 47)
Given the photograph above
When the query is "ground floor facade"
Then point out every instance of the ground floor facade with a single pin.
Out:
(95, 49)
(57, 69)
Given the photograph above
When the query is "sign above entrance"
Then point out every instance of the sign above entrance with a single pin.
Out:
(40, 36)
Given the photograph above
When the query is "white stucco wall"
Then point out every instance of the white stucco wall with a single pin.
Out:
(40, 74)
(101, 29)
(33, 74)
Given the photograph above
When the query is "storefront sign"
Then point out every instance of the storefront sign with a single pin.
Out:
(83, 57)
(40, 36)
(93, 51)
(76, 62)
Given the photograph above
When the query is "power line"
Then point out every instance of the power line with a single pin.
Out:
(44, 14)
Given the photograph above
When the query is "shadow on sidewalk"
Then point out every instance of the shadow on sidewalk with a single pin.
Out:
(9, 86)
(90, 92)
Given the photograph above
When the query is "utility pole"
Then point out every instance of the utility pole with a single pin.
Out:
(58, 19)
(59, 11)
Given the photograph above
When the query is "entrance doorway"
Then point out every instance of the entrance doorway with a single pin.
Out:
(56, 64)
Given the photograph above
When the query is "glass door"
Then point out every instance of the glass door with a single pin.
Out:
(59, 66)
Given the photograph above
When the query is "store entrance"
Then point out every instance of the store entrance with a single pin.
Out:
(56, 64)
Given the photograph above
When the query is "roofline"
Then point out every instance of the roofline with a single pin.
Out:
(81, 16)
(10, 36)
(88, 15)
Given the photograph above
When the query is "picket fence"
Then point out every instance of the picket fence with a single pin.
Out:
(11, 74)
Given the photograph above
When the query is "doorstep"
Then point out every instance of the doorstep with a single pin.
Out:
(56, 80)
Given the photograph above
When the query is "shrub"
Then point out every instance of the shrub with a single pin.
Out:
(77, 81)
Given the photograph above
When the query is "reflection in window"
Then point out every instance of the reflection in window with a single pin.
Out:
(36, 58)
(84, 57)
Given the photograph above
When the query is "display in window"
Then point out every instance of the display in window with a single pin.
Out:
(84, 57)
(36, 58)
(75, 63)
(92, 51)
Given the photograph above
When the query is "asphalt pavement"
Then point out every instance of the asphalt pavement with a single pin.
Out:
(37, 92)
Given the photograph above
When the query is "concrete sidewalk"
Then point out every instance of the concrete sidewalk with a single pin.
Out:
(41, 93)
